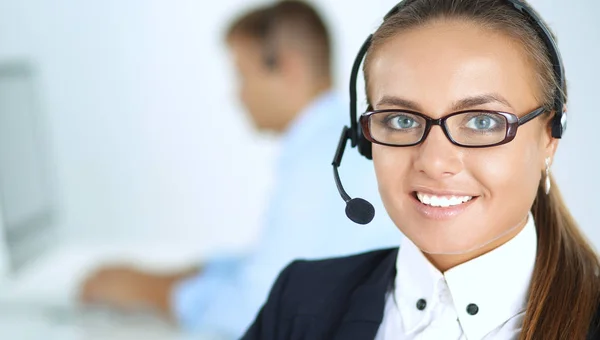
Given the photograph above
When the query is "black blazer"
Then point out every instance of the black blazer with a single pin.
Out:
(334, 299)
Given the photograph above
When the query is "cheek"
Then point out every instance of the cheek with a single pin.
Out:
(267, 91)
(245, 95)
(392, 166)
(254, 95)
(509, 175)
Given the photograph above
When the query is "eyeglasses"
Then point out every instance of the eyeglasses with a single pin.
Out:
(472, 129)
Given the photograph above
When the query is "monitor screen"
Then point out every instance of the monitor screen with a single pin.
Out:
(26, 199)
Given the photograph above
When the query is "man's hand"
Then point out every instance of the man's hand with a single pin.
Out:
(128, 288)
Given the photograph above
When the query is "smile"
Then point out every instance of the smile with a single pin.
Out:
(443, 206)
(442, 201)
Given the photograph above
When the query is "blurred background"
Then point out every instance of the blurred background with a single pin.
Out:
(139, 114)
(129, 112)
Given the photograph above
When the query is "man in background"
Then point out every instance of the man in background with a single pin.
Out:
(282, 55)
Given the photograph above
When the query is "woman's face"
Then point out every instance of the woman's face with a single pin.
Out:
(436, 70)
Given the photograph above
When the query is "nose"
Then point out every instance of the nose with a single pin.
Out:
(437, 157)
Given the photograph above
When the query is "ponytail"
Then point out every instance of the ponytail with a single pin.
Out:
(564, 291)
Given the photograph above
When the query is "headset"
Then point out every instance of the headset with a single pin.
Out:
(361, 211)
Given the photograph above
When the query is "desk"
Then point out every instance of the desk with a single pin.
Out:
(32, 324)
(29, 302)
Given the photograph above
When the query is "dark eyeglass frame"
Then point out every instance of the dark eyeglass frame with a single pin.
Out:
(513, 123)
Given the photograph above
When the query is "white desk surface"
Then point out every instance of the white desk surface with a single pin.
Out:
(35, 325)
(21, 321)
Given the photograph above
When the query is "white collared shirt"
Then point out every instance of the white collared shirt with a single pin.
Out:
(484, 298)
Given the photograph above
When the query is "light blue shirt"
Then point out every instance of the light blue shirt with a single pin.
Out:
(305, 219)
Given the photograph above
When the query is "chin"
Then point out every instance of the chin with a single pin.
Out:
(447, 246)
(263, 128)
(446, 236)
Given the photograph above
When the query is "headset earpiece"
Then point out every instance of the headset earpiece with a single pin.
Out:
(559, 124)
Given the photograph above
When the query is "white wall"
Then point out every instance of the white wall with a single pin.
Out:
(149, 141)
(146, 135)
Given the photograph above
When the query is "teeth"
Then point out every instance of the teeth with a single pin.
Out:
(442, 201)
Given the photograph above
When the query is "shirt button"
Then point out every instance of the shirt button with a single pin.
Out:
(472, 309)
(421, 304)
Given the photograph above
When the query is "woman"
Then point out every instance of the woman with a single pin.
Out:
(465, 116)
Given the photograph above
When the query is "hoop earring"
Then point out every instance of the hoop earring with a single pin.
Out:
(547, 182)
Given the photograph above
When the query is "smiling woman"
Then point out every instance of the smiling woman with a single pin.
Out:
(466, 108)
(501, 180)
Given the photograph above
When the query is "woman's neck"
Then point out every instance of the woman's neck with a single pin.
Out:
(444, 262)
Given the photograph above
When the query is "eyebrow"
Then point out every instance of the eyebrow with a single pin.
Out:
(399, 102)
(459, 105)
(470, 102)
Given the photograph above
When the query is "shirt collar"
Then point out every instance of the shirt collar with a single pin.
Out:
(497, 282)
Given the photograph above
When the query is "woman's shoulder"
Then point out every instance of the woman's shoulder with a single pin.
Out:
(305, 283)
(312, 297)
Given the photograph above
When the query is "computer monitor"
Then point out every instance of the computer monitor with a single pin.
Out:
(27, 202)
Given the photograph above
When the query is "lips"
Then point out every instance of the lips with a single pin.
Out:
(442, 206)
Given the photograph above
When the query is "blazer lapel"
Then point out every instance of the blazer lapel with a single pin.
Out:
(367, 303)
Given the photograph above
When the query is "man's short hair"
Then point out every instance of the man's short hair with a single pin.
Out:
(287, 24)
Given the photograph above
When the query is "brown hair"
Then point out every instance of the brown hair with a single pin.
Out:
(564, 291)
(301, 26)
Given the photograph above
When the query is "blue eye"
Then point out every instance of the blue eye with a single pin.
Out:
(482, 122)
(401, 122)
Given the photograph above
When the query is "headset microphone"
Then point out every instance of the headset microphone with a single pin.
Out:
(357, 209)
